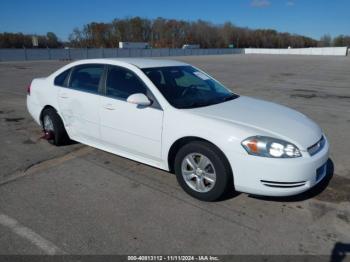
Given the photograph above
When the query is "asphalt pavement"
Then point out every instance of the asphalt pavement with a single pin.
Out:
(79, 200)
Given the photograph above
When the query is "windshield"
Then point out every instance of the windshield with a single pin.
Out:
(186, 87)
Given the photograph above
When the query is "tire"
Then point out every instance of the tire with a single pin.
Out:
(215, 175)
(59, 135)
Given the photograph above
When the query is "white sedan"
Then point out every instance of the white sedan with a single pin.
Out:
(175, 117)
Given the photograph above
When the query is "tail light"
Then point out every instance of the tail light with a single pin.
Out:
(28, 89)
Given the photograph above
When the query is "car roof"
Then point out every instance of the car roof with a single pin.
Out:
(140, 62)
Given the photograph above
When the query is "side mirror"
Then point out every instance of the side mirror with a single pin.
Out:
(139, 99)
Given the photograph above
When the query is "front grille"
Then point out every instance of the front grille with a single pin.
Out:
(282, 184)
(314, 149)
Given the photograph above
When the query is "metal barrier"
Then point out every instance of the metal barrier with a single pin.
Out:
(85, 53)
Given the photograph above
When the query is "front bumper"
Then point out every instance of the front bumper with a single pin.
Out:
(279, 177)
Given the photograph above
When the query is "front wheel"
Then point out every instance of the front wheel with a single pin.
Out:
(203, 171)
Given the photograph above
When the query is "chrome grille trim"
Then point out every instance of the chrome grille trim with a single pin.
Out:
(282, 184)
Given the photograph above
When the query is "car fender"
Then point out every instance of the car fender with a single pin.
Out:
(226, 136)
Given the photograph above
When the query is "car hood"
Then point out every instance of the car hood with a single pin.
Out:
(276, 120)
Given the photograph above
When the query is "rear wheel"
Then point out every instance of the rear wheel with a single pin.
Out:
(203, 171)
(54, 128)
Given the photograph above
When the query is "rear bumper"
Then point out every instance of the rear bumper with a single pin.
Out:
(34, 109)
(279, 177)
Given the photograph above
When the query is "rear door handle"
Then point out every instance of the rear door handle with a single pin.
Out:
(64, 96)
(109, 107)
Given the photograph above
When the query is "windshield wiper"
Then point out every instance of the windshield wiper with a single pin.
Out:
(230, 97)
(210, 102)
(196, 104)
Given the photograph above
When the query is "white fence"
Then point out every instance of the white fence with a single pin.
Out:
(329, 51)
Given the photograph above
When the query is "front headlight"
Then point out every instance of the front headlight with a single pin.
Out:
(270, 147)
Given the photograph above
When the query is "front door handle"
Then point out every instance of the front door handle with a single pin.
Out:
(109, 107)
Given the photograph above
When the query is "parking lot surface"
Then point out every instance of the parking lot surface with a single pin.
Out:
(80, 200)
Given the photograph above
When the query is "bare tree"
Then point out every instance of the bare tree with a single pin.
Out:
(325, 41)
(161, 32)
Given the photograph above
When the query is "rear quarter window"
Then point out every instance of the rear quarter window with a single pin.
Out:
(62, 79)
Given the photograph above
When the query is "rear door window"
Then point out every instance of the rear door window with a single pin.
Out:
(87, 78)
